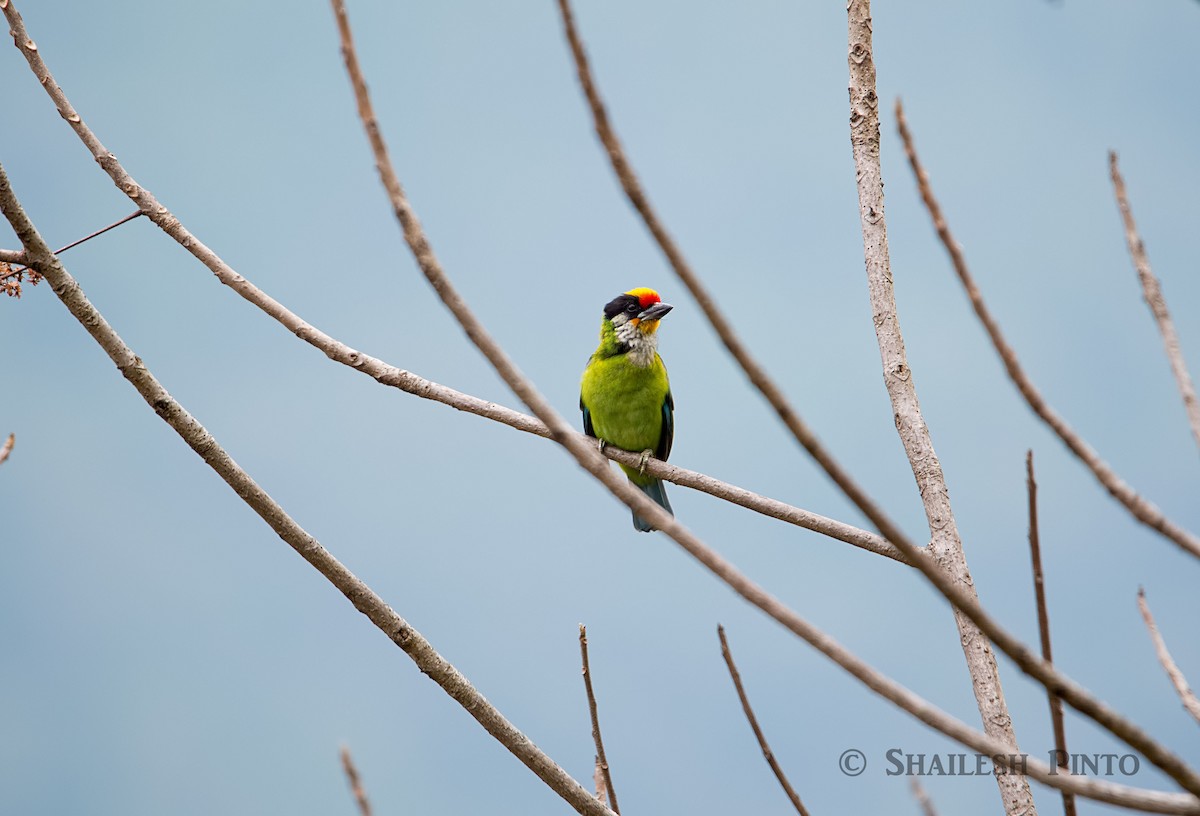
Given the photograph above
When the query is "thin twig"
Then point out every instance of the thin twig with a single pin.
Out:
(356, 788)
(1141, 509)
(601, 758)
(1150, 801)
(945, 543)
(586, 455)
(73, 244)
(8, 447)
(203, 443)
(100, 231)
(1152, 291)
(768, 754)
(922, 797)
(1043, 615)
(754, 371)
(1190, 702)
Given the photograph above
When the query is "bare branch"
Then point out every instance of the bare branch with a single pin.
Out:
(1152, 291)
(356, 788)
(588, 458)
(1039, 591)
(724, 329)
(11, 256)
(758, 733)
(6, 451)
(601, 759)
(922, 797)
(1141, 509)
(203, 443)
(1190, 702)
(945, 545)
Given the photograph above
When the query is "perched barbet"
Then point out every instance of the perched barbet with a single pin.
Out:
(625, 395)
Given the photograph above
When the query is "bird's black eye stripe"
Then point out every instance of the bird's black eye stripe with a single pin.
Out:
(622, 303)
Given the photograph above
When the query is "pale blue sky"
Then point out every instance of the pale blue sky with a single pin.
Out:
(164, 652)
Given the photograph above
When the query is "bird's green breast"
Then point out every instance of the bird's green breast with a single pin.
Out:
(626, 400)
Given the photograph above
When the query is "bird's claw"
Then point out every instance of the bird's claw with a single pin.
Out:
(646, 454)
(601, 445)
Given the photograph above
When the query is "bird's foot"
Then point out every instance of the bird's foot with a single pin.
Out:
(601, 445)
(646, 454)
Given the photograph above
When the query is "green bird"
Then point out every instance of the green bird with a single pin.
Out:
(625, 395)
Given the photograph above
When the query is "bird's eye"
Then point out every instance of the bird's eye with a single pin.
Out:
(633, 308)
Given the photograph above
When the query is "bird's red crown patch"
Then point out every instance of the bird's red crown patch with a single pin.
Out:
(646, 297)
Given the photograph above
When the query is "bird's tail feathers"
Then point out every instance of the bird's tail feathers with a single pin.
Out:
(657, 491)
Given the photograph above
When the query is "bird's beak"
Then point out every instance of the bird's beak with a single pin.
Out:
(648, 321)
